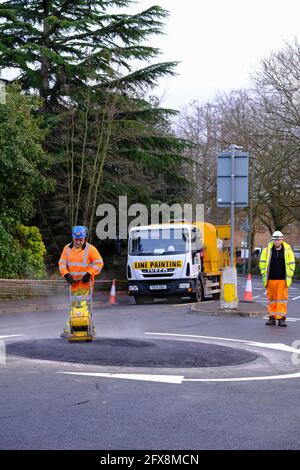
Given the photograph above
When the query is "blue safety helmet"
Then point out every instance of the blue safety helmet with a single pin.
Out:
(79, 231)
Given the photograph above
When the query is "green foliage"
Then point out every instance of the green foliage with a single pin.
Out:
(91, 68)
(254, 266)
(22, 158)
(297, 269)
(22, 252)
(71, 42)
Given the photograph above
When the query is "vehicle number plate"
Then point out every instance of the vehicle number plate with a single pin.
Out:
(160, 287)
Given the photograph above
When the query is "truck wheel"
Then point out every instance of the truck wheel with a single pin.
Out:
(198, 296)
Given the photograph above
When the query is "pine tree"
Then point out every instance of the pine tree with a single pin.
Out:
(82, 57)
(61, 46)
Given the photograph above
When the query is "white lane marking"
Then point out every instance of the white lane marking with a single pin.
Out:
(277, 346)
(287, 319)
(9, 336)
(296, 375)
(295, 298)
(197, 336)
(255, 296)
(179, 379)
(174, 379)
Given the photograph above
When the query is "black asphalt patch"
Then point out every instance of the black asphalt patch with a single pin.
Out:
(132, 352)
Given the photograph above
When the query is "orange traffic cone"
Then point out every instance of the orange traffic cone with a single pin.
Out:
(248, 290)
(112, 297)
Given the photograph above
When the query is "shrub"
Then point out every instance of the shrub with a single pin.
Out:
(22, 252)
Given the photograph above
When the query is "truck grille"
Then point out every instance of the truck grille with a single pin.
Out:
(158, 275)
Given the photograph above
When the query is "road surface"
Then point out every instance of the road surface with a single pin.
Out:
(158, 377)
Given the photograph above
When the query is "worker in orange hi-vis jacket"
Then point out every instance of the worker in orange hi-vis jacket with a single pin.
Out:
(80, 261)
(277, 266)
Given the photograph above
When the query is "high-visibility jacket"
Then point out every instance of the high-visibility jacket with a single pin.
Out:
(289, 259)
(86, 259)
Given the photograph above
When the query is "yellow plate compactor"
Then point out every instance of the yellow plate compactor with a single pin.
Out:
(81, 326)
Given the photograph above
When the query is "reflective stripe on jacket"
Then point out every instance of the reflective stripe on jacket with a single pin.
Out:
(289, 259)
(77, 263)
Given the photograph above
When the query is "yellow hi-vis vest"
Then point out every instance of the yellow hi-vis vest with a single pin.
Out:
(289, 258)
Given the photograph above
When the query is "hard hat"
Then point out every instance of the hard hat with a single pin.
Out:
(79, 231)
(277, 235)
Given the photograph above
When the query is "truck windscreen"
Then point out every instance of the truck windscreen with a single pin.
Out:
(169, 241)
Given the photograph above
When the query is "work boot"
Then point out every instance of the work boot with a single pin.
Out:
(282, 322)
(271, 321)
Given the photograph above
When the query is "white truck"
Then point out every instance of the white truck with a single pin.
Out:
(176, 259)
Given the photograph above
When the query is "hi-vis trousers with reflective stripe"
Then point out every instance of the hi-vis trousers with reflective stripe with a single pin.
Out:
(277, 292)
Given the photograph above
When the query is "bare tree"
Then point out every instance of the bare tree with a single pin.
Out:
(277, 85)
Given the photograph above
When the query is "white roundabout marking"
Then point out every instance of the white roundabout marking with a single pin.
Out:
(174, 379)
(277, 346)
(179, 379)
(296, 375)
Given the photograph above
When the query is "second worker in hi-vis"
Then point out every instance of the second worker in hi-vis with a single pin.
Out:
(277, 266)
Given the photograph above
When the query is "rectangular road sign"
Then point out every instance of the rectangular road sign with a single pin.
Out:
(241, 177)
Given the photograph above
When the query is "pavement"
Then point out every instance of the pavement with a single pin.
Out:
(244, 309)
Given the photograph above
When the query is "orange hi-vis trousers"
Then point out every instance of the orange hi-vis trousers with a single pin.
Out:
(277, 292)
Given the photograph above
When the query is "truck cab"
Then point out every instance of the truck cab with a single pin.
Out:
(168, 260)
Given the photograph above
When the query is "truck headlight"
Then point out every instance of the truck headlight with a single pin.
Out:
(133, 288)
(184, 285)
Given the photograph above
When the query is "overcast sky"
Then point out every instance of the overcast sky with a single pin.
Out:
(219, 43)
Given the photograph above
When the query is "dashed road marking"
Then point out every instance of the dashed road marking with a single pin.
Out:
(287, 319)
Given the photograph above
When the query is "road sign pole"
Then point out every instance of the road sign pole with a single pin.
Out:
(232, 147)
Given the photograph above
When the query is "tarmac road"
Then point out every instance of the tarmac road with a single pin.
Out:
(166, 379)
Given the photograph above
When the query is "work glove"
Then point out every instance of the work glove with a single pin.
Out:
(69, 279)
(86, 277)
